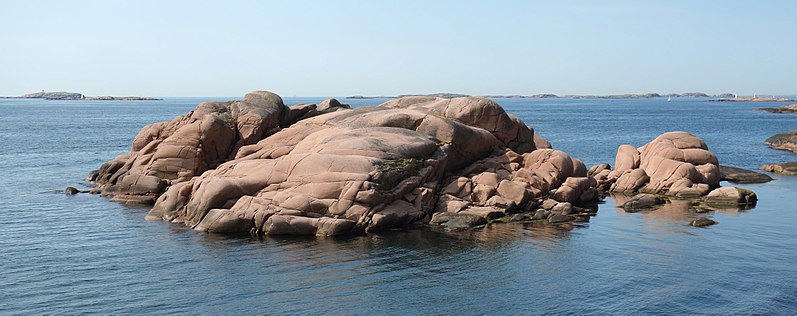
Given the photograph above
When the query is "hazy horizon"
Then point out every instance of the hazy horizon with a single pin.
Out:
(344, 48)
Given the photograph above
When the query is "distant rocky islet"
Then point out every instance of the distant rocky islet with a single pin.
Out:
(61, 95)
(722, 97)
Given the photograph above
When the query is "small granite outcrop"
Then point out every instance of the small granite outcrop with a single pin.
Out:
(787, 109)
(784, 168)
(784, 141)
(674, 164)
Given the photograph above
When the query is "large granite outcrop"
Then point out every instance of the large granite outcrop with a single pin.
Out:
(259, 166)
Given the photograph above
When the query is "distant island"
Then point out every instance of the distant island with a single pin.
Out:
(61, 95)
(754, 99)
(720, 97)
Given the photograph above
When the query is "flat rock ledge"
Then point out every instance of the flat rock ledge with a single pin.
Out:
(258, 166)
(742, 176)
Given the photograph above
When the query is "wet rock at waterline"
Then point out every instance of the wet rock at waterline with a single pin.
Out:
(784, 168)
(742, 176)
(785, 141)
(71, 191)
(702, 222)
(261, 167)
(643, 201)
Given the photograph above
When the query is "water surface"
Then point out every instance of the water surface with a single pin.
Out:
(86, 254)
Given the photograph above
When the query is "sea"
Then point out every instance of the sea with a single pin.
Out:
(86, 254)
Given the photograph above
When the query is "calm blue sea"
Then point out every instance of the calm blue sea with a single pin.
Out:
(85, 254)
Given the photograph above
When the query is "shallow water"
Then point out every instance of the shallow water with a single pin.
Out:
(86, 254)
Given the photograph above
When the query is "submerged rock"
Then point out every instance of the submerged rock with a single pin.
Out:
(742, 176)
(702, 222)
(643, 201)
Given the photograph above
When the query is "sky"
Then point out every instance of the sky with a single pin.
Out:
(341, 48)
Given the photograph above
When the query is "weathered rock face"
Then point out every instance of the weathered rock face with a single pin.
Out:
(168, 153)
(258, 166)
(675, 164)
(784, 141)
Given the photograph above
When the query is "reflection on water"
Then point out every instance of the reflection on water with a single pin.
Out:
(675, 212)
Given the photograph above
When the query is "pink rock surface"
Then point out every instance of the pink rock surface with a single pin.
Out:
(259, 166)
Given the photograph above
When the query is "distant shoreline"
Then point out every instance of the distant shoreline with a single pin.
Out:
(723, 97)
(61, 95)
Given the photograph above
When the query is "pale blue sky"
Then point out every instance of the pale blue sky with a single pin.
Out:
(338, 48)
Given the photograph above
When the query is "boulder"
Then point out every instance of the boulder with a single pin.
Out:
(643, 201)
(702, 222)
(457, 220)
(731, 196)
(71, 191)
(559, 218)
(563, 208)
(577, 190)
(597, 169)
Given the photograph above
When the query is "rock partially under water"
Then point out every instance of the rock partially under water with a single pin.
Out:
(258, 166)
(784, 168)
(783, 141)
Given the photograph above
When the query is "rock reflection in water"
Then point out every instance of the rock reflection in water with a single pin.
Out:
(678, 210)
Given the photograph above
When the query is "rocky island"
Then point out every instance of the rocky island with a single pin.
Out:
(567, 96)
(784, 141)
(75, 96)
(258, 166)
(787, 109)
